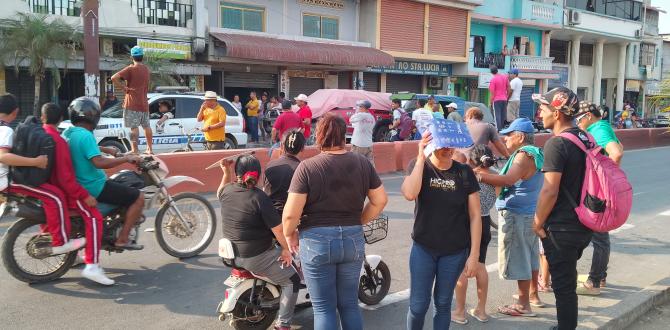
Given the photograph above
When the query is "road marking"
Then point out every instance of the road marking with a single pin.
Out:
(625, 226)
(388, 300)
(637, 150)
(492, 267)
(665, 214)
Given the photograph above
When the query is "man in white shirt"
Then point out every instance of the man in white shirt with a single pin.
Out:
(514, 101)
(363, 123)
(422, 116)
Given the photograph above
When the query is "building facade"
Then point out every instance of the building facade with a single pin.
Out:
(509, 34)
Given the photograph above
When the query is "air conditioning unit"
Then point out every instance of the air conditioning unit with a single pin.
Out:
(574, 17)
(639, 33)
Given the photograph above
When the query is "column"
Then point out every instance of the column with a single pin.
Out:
(574, 62)
(382, 83)
(598, 70)
(545, 53)
(620, 78)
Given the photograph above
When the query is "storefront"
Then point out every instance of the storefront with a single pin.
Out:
(413, 76)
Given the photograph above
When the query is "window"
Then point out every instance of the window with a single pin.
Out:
(559, 51)
(242, 17)
(647, 54)
(153, 107)
(586, 54)
(522, 46)
(320, 26)
(626, 9)
(230, 111)
(188, 107)
(582, 93)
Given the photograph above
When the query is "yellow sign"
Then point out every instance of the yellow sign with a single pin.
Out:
(324, 3)
(166, 49)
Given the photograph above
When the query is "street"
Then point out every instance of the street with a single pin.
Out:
(156, 291)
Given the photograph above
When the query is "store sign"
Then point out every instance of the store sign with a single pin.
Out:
(632, 85)
(332, 4)
(484, 80)
(652, 88)
(414, 68)
(166, 49)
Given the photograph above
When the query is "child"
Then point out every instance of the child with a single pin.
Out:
(165, 108)
(53, 201)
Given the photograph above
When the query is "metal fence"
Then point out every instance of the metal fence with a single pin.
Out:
(485, 60)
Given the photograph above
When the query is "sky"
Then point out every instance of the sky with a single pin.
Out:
(664, 20)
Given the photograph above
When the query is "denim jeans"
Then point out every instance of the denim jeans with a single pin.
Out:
(331, 259)
(601, 257)
(426, 268)
(252, 126)
(563, 249)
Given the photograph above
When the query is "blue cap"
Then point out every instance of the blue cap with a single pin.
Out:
(137, 51)
(514, 71)
(519, 125)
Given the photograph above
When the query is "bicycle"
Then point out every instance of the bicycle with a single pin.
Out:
(189, 138)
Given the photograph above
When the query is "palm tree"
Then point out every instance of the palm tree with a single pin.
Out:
(37, 41)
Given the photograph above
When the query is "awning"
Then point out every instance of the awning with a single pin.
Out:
(293, 51)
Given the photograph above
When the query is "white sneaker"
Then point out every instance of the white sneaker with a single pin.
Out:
(71, 245)
(96, 274)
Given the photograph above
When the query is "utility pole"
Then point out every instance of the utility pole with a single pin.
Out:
(89, 16)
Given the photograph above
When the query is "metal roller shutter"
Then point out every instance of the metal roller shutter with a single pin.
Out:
(403, 83)
(527, 106)
(371, 80)
(250, 80)
(344, 80)
(401, 26)
(447, 31)
(307, 86)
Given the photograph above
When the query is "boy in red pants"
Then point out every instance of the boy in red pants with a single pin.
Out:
(77, 197)
(55, 209)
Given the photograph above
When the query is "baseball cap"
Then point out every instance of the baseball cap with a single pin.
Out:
(137, 51)
(452, 105)
(519, 125)
(301, 97)
(561, 99)
(588, 107)
(514, 71)
(286, 105)
(209, 95)
(364, 103)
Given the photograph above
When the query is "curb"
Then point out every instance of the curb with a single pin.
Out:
(623, 314)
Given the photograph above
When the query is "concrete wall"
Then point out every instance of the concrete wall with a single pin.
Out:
(493, 34)
(499, 8)
(666, 60)
(610, 60)
(285, 16)
(596, 23)
(368, 22)
(586, 79)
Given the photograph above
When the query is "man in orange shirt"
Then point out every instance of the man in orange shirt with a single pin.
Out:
(136, 104)
(213, 116)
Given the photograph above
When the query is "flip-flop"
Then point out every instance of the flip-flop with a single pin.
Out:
(471, 312)
(461, 322)
(532, 303)
(511, 310)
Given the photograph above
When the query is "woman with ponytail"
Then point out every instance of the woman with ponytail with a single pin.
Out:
(280, 171)
(481, 158)
(251, 223)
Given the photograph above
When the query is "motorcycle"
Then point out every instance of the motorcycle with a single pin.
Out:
(269, 118)
(252, 301)
(184, 226)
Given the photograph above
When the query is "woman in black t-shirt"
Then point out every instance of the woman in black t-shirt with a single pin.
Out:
(447, 231)
(251, 222)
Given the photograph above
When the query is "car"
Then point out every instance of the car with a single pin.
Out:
(662, 119)
(488, 114)
(343, 103)
(410, 101)
(185, 107)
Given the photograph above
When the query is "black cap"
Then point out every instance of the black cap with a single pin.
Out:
(286, 105)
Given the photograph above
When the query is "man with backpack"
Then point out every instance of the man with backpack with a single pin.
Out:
(52, 198)
(402, 123)
(77, 198)
(591, 121)
(563, 235)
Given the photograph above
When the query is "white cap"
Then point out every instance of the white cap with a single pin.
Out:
(209, 95)
(453, 105)
(301, 97)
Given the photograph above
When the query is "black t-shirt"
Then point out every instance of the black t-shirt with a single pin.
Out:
(278, 177)
(563, 156)
(442, 219)
(336, 186)
(248, 217)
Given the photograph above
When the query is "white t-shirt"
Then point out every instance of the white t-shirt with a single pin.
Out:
(364, 124)
(396, 114)
(6, 138)
(422, 117)
(516, 85)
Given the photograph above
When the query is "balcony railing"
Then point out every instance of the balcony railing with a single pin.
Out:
(485, 60)
(55, 7)
(524, 62)
(163, 12)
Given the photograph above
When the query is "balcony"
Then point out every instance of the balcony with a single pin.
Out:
(485, 60)
(539, 12)
(163, 12)
(532, 63)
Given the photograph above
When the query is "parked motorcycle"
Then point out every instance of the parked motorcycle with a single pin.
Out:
(252, 302)
(185, 224)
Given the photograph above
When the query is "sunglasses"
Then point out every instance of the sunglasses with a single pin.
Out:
(579, 118)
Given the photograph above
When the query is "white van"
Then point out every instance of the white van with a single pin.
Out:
(185, 107)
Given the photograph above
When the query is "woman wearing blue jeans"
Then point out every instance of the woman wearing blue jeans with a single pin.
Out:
(447, 226)
(326, 202)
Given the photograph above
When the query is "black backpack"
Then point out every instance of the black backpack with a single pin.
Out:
(31, 140)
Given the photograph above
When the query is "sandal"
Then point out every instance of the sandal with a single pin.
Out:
(461, 322)
(514, 310)
(537, 303)
(472, 313)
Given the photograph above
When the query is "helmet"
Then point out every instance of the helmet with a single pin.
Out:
(83, 109)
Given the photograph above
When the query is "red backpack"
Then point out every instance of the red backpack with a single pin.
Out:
(405, 125)
(607, 196)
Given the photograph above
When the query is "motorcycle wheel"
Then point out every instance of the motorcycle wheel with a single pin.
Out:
(20, 254)
(173, 239)
(246, 318)
(373, 294)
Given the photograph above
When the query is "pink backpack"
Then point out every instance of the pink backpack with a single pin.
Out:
(607, 196)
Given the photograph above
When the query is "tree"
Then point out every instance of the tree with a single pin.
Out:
(39, 42)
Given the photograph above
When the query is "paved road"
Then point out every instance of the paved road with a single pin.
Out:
(156, 291)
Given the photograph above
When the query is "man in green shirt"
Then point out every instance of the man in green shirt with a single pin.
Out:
(591, 120)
